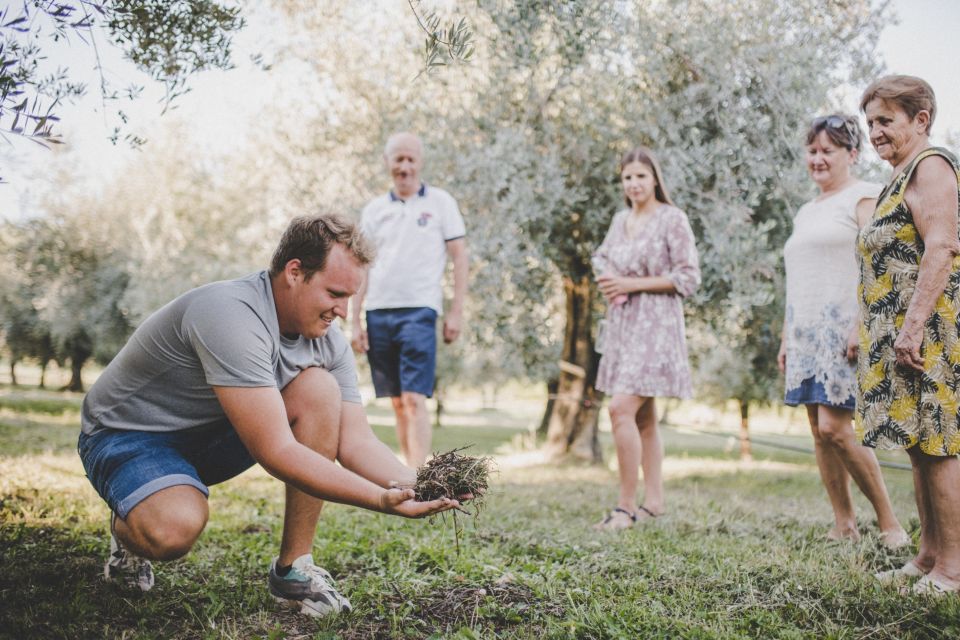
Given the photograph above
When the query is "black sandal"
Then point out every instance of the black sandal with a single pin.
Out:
(648, 512)
(610, 516)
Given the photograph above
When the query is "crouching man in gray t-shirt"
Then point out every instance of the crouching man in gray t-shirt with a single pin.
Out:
(234, 373)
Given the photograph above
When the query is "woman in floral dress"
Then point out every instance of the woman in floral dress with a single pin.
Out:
(645, 266)
(909, 364)
(819, 341)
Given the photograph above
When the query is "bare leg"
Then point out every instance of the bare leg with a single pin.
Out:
(934, 480)
(312, 401)
(835, 480)
(927, 553)
(165, 525)
(626, 436)
(652, 457)
(403, 426)
(836, 431)
(419, 434)
(941, 477)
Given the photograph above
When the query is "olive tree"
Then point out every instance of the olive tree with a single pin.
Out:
(527, 136)
(24, 333)
(720, 89)
(170, 40)
(64, 304)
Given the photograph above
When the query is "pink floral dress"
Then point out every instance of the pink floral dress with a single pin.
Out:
(644, 345)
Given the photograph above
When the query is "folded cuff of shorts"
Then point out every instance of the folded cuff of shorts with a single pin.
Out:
(124, 506)
(422, 390)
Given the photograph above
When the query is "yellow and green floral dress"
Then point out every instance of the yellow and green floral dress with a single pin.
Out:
(897, 407)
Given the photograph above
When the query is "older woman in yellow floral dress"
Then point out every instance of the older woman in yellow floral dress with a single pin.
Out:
(909, 362)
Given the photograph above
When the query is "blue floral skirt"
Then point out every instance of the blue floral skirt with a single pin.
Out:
(812, 392)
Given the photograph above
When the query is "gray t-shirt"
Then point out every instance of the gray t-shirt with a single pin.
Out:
(222, 334)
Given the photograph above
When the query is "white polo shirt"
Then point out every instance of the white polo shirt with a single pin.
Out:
(411, 238)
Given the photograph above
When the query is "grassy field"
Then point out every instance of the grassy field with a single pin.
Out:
(741, 553)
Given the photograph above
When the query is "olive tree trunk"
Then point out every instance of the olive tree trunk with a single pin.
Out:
(553, 384)
(80, 351)
(572, 421)
(746, 453)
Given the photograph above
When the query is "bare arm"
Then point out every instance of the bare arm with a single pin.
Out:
(453, 320)
(782, 352)
(358, 334)
(932, 199)
(258, 415)
(864, 211)
(612, 286)
(364, 454)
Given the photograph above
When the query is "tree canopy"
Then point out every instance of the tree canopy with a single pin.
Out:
(169, 39)
(527, 137)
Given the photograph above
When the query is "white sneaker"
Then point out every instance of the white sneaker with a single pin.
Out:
(124, 565)
(308, 587)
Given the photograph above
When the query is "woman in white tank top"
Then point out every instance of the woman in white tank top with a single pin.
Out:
(818, 347)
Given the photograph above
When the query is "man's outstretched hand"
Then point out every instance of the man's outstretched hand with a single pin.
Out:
(401, 502)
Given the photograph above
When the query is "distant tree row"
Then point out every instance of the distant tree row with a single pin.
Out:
(83, 273)
(59, 297)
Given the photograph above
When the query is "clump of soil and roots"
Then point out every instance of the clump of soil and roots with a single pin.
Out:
(453, 475)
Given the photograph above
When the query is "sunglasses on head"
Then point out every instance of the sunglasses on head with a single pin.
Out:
(836, 123)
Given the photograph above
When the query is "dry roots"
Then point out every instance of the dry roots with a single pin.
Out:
(451, 475)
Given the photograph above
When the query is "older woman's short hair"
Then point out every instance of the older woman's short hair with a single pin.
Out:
(842, 130)
(909, 93)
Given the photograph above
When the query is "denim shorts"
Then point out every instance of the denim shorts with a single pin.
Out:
(403, 350)
(125, 467)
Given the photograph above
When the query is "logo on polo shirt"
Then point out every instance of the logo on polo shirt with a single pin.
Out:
(424, 219)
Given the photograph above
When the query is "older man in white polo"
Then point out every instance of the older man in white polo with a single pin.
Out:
(415, 228)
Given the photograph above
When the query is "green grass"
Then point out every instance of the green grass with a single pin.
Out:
(741, 554)
(39, 403)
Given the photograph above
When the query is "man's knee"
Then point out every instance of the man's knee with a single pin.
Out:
(174, 536)
(313, 404)
(315, 393)
(169, 528)
(413, 402)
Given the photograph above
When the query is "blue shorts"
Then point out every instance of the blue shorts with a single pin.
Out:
(125, 467)
(812, 392)
(403, 350)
